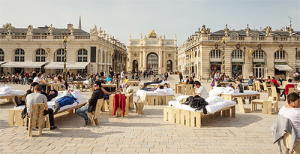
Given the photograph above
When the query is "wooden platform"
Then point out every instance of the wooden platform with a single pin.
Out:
(14, 118)
(158, 100)
(9, 98)
(193, 118)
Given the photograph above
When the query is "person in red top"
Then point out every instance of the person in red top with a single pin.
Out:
(274, 81)
(286, 90)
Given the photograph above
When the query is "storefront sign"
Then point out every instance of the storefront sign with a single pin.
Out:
(237, 63)
(280, 63)
(215, 63)
(259, 63)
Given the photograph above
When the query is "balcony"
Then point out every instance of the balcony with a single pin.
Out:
(82, 37)
(18, 37)
(39, 37)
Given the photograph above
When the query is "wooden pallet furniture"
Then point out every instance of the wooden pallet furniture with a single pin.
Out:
(11, 97)
(158, 100)
(139, 105)
(185, 89)
(14, 118)
(93, 116)
(37, 118)
(129, 102)
(275, 95)
(267, 105)
(287, 143)
(133, 83)
(192, 118)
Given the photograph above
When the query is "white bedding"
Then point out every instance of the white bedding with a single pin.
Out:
(9, 91)
(215, 103)
(158, 92)
(80, 99)
(162, 83)
(246, 92)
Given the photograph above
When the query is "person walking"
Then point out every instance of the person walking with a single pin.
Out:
(180, 77)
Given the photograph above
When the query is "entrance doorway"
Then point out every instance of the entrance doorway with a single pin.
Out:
(258, 71)
(135, 66)
(152, 63)
(169, 66)
(237, 70)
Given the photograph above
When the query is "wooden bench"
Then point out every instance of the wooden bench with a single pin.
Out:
(287, 143)
(158, 100)
(37, 118)
(93, 116)
(10, 98)
(129, 102)
(192, 118)
(14, 118)
(265, 105)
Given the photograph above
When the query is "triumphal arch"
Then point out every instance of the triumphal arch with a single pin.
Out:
(152, 53)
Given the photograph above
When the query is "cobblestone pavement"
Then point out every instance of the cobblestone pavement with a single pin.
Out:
(148, 133)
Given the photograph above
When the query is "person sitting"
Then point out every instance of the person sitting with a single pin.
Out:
(250, 81)
(219, 84)
(63, 101)
(36, 98)
(239, 85)
(289, 111)
(186, 80)
(275, 83)
(212, 83)
(191, 81)
(60, 81)
(52, 94)
(200, 90)
(137, 78)
(231, 86)
(166, 86)
(126, 79)
(268, 80)
(280, 80)
(38, 80)
(109, 78)
(286, 90)
(132, 76)
(90, 106)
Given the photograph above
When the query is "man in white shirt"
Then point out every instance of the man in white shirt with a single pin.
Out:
(289, 111)
(200, 90)
(122, 75)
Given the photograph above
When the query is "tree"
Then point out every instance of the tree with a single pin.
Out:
(6, 25)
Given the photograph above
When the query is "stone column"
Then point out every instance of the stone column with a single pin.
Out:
(248, 65)
(144, 60)
(129, 61)
(269, 64)
(291, 61)
(159, 62)
(140, 62)
(228, 64)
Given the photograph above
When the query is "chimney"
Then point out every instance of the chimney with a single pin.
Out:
(69, 25)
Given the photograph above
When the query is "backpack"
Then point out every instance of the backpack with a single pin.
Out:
(197, 102)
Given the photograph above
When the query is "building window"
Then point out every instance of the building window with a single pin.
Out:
(234, 36)
(58, 71)
(215, 54)
(60, 55)
(1, 55)
(82, 55)
(19, 55)
(82, 71)
(298, 55)
(258, 54)
(280, 54)
(40, 55)
(237, 54)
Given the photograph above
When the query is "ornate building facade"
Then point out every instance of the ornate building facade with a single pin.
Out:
(248, 52)
(42, 49)
(152, 53)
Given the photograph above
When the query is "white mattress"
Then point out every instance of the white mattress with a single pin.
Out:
(246, 92)
(9, 91)
(158, 92)
(215, 103)
(162, 83)
(80, 98)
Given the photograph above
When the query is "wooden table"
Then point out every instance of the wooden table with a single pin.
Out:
(9, 98)
(129, 102)
(240, 96)
(133, 82)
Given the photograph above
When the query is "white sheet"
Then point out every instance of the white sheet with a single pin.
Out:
(158, 92)
(246, 92)
(215, 103)
(80, 98)
(9, 91)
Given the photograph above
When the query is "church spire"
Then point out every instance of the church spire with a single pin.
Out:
(79, 25)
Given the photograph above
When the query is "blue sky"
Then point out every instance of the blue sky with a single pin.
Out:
(122, 17)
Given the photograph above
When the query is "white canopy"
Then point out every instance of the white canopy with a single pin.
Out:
(70, 65)
(283, 67)
(101, 63)
(24, 64)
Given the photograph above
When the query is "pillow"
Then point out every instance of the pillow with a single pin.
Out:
(216, 91)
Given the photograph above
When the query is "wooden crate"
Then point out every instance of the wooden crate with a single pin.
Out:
(192, 118)
(158, 100)
(129, 102)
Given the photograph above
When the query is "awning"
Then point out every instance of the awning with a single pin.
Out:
(109, 64)
(101, 63)
(70, 65)
(24, 64)
(283, 67)
(297, 64)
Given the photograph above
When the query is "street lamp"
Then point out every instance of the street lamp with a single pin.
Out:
(65, 61)
(223, 54)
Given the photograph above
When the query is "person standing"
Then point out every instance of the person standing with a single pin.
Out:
(122, 75)
(193, 75)
(212, 76)
(26, 78)
(166, 76)
(90, 106)
(101, 73)
(180, 77)
(144, 73)
(22, 77)
(35, 98)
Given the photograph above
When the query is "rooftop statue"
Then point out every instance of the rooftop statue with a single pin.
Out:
(152, 33)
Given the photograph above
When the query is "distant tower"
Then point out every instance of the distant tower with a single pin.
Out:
(79, 25)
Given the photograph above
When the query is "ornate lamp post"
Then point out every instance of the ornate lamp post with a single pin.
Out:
(223, 54)
(65, 61)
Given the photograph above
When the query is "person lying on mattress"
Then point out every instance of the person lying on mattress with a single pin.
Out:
(68, 99)
(162, 82)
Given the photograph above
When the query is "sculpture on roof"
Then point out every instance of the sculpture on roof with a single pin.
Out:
(203, 30)
(50, 29)
(291, 30)
(226, 30)
(104, 34)
(72, 29)
(141, 35)
(152, 33)
(164, 36)
(129, 36)
(247, 30)
(269, 31)
(175, 37)
(30, 29)
(94, 30)
(100, 31)
(9, 28)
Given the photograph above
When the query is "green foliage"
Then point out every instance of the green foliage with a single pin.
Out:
(6, 25)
